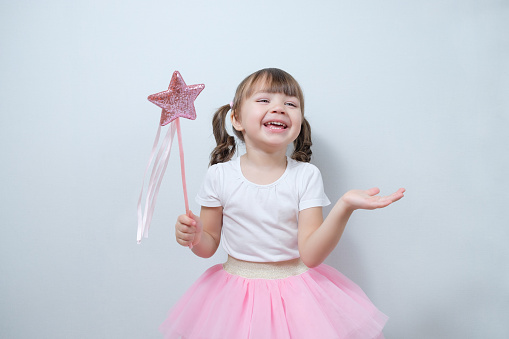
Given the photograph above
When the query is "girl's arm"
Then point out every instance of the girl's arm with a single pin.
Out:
(318, 237)
(203, 232)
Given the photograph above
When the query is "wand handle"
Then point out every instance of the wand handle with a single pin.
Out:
(183, 169)
(182, 166)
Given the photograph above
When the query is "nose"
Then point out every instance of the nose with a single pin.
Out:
(278, 108)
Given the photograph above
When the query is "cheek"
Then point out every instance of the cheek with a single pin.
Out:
(297, 121)
(298, 131)
(252, 120)
(298, 124)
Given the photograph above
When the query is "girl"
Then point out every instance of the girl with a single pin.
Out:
(266, 208)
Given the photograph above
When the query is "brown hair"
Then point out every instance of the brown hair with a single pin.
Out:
(276, 81)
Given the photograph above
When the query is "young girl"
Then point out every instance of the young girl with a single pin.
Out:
(266, 209)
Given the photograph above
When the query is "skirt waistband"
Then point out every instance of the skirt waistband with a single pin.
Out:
(264, 270)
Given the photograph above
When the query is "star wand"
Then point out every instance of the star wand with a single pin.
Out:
(176, 102)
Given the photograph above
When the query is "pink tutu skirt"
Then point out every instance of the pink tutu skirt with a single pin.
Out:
(241, 300)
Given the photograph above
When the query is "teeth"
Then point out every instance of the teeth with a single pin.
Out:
(276, 123)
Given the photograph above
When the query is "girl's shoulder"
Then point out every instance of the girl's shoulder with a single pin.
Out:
(308, 183)
(300, 168)
(223, 168)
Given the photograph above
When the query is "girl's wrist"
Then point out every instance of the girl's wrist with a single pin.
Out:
(345, 206)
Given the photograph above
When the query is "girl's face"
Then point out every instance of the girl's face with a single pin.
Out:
(268, 121)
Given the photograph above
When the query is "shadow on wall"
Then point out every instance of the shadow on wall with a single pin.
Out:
(345, 258)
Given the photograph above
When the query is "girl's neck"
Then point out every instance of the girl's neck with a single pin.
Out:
(261, 159)
(263, 168)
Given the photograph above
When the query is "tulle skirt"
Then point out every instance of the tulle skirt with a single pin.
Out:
(242, 300)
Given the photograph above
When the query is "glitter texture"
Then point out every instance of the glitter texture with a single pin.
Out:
(264, 270)
(177, 101)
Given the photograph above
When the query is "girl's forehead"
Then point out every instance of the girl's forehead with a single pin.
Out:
(265, 86)
(263, 91)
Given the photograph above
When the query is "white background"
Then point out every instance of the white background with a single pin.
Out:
(410, 94)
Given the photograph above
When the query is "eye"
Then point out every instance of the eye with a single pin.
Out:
(291, 104)
(262, 100)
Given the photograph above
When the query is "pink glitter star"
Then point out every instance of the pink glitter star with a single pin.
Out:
(177, 101)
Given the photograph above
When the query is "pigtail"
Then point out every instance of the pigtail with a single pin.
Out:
(302, 145)
(226, 146)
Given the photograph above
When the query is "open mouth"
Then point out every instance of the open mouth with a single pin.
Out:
(275, 125)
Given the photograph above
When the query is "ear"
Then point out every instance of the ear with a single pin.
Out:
(236, 122)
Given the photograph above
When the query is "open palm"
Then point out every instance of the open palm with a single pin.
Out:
(369, 200)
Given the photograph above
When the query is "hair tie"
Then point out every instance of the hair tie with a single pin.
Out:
(231, 104)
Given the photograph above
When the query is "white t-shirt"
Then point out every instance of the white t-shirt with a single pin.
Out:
(260, 221)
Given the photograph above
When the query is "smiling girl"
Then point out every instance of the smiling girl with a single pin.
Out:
(266, 210)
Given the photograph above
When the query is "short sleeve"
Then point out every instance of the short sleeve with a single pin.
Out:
(312, 193)
(209, 193)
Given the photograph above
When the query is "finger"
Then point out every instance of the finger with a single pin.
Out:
(180, 233)
(183, 242)
(184, 217)
(398, 194)
(186, 220)
(389, 199)
(397, 197)
(186, 229)
(382, 202)
(191, 221)
(182, 239)
(185, 236)
(373, 191)
(195, 218)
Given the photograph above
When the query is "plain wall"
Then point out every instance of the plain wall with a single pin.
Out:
(410, 94)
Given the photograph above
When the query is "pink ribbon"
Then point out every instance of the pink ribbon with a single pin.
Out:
(158, 169)
(156, 177)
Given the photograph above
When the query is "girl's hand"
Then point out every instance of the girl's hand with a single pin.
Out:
(188, 229)
(368, 199)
